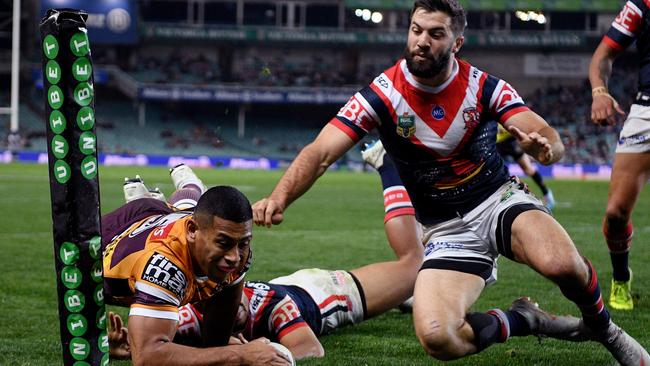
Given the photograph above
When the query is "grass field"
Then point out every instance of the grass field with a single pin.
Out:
(337, 225)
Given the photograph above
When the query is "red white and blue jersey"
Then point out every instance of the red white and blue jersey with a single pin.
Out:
(276, 310)
(633, 23)
(442, 139)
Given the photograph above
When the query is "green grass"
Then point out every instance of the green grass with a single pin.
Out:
(337, 225)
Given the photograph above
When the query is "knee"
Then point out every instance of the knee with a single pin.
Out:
(438, 341)
(568, 270)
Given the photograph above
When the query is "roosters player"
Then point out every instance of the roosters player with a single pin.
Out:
(631, 168)
(437, 119)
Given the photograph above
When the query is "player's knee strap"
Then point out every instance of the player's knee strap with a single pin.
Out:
(618, 237)
(504, 226)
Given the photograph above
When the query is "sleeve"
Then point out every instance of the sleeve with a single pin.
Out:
(286, 317)
(160, 286)
(501, 100)
(357, 117)
(627, 25)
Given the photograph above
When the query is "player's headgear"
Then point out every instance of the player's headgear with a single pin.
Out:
(449, 7)
(225, 202)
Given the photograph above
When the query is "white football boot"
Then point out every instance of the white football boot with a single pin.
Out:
(182, 175)
(373, 154)
(134, 189)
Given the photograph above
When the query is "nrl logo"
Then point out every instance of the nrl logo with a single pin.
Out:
(406, 125)
(472, 118)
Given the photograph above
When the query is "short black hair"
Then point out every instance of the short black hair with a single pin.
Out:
(225, 202)
(449, 7)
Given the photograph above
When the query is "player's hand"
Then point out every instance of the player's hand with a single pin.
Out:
(533, 144)
(267, 212)
(604, 110)
(237, 340)
(260, 352)
(118, 338)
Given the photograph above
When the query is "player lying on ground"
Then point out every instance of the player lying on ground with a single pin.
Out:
(157, 259)
(437, 118)
(295, 309)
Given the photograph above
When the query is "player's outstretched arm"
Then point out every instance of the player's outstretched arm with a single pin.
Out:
(536, 137)
(603, 107)
(303, 343)
(151, 344)
(310, 164)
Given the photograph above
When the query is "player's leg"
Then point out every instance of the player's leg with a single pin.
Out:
(189, 187)
(388, 284)
(629, 175)
(536, 240)
(441, 301)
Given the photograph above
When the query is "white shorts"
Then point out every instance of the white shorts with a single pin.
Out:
(635, 135)
(335, 292)
(472, 243)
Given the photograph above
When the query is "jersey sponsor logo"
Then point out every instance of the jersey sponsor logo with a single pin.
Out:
(162, 272)
(285, 312)
(406, 125)
(507, 96)
(162, 232)
(354, 112)
(438, 112)
(628, 19)
(260, 293)
(472, 117)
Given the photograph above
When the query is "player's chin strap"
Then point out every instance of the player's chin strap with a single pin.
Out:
(601, 90)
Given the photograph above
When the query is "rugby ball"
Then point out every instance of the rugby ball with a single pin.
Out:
(285, 351)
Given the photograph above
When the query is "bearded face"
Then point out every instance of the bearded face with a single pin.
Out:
(424, 64)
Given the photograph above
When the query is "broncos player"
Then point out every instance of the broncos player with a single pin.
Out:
(157, 258)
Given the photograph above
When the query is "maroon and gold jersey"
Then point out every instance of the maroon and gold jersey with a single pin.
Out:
(149, 266)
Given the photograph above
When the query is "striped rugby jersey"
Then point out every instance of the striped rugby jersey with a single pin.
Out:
(442, 139)
(276, 310)
(149, 268)
(633, 23)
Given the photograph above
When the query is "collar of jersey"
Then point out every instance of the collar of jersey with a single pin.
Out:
(426, 88)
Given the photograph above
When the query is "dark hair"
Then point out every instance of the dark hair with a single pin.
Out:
(225, 202)
(449, 7)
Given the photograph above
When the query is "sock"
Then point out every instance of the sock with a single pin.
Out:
(540, 182)
(185, 198)
(589, 301)
(496, 326)
(619, 240)
(396, 200)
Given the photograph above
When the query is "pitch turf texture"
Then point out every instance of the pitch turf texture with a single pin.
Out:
(337, 225)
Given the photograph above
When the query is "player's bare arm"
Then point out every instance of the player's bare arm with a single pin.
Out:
(536, 137)
(303, 343)
(151, 344)
(310, 164)
(604, 107)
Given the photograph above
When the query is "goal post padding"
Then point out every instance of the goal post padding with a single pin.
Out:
(74, 186)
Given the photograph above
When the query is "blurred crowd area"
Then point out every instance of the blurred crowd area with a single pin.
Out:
(280, 131)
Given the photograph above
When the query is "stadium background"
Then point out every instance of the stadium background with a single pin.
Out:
(246, 84)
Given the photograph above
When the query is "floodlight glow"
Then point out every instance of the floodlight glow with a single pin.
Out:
(358, 12)
(541, 19)
(366, 14)
(377, 17)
